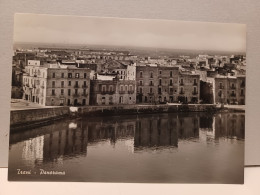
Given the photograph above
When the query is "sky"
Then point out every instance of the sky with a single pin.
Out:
(169, 34)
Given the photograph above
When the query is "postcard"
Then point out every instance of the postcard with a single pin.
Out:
(98, 99)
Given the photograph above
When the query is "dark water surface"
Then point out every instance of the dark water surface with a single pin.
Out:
(181, 148)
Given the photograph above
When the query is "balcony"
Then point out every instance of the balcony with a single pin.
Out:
(233, 95)
(181, 92)
(131, 92)
(221, 87)
(76, 86)
(141, 84)
(75, 95)
(151, 93)
(121, 92)
(232, 87)
(151, 84)
(84, 86)
(194, 93)
(107, 92)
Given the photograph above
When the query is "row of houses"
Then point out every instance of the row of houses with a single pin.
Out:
(57, 84)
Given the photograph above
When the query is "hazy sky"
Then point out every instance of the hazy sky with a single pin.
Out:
(129, 32)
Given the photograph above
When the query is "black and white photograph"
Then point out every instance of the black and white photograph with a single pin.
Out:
(120, 100)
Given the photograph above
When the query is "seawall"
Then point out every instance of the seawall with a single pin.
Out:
(144, 109)
(29, 118)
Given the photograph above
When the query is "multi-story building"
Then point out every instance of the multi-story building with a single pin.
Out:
(112, 92)
(189, 87)
(56, 85)
(158, 84)
(230, 89)
(147, 84)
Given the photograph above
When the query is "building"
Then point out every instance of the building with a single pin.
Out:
(189, 87)
(107, 90)
(230, 89)
(56, 85)
(147, 84)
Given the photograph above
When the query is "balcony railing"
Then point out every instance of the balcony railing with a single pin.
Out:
(151, 93)
(131, 92)
(75, 95)
(76, 86)
(84, 86)
(221, 87)
(141, 84)
(107, 92)
(233, 95)
(121, 92)
(151, 84)
(232, 87)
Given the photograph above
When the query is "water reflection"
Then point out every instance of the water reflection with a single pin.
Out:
(71, 139)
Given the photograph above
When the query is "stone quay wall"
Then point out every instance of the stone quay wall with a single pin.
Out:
(20, 119)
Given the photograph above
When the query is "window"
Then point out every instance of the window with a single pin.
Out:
(84, 92)
(76, 75)
(85, 83)
(68, 92)
(194, 90)
(62, 91)
(53, 83)
(160, 72)
(151, 74)
(126, 88)
(76, 84)
(242, 92)
(85, 75)
(62, 83)
(141, 74)
(110, 88)
(160, 81)
(151, 90)
(151, 83)
(141, 82)
(121, 88)
(69, 84)
(69, 75)
(103, 88)
(159, 90)
(171, 83)
(76, 91)
(53, 92)
(130, 88)
(170, 73)
(53, 75)
(141, 90)
(62, 75)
